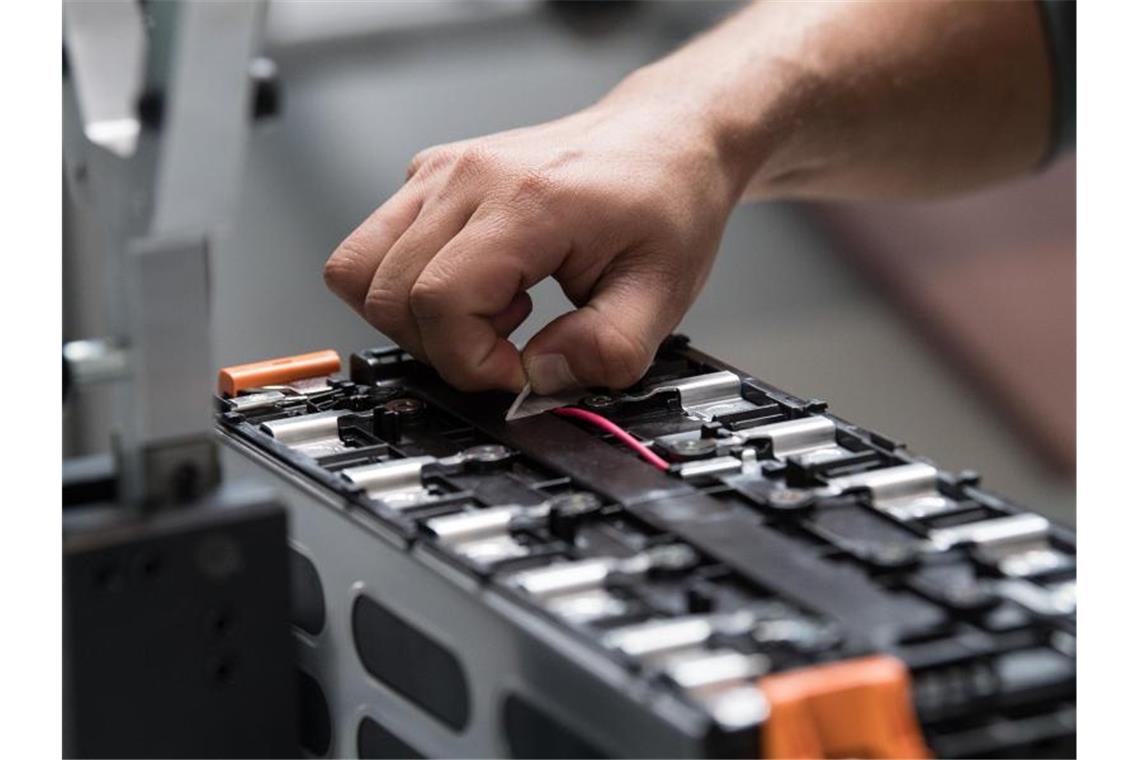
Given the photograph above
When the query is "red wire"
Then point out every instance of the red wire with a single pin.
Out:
(598, 420)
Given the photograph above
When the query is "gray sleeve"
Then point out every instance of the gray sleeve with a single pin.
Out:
(1060, 21)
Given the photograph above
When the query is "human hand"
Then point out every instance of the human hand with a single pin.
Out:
(623, 204)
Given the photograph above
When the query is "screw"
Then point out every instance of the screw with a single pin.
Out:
(690, 448)
(788, 498)
(487, 454)
(598, 400)
(408, 406)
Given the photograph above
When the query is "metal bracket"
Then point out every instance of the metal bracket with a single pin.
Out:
(315, 435)
(704, 397)
(906, 492)
(178, 472)
(159, 190)
(398, 483)
(810, 439)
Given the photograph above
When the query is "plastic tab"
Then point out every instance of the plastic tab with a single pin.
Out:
(279, 371)
(853, 708)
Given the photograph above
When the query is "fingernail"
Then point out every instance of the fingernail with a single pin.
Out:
(550, 373)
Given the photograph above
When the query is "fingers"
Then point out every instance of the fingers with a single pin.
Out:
(387, 305)
(352, 267)
(472, 291)
(436, 157)
(443, 269)
(508, 320)
(377, 268)
(611, 340)
(348, 272)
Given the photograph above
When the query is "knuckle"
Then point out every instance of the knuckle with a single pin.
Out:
(384, 312)
(427, 297)
(532, 189)
(472, 161)
(430, 160)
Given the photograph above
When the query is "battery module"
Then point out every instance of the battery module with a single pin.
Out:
(702, 565)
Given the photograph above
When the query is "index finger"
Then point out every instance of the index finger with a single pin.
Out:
(474, 278)
(349, 270)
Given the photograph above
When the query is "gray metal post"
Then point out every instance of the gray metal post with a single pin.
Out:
(157, 111)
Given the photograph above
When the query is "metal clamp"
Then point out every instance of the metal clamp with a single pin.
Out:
(809, 438)
(581, 575)
(315, 435)
(657, 637)
(1057, 600)
(482, 523)
(704, 669)
(663, 636)
(704, 397)
(565, 577)
(746, 463)
(999, 539)
(484, 535)
(251, 401)
(906, 492)
(398, 483)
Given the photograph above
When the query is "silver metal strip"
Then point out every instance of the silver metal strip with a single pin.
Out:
(709, 669)
(714, 466)
(486, 551)
(564, 578)
(398, 483)
(795, 436)
(587, 606)
(906, 492)
(304, 428)
(658, 637)
(1034, 562)
(255, 401)
(315, 435)
(1050, 601)
(997, 539)
(737, 707)
(470, 526)
(704, 396)
(903, 481)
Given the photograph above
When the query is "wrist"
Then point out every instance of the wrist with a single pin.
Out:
(686, 120)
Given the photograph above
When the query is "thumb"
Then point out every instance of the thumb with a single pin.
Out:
(609, 341)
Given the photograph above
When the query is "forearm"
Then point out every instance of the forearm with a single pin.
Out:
(624, 203)
(863, 99)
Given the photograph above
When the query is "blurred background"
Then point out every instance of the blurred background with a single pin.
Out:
(947, 325)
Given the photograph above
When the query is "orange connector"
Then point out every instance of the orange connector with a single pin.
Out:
(231, 380)
(852, 708)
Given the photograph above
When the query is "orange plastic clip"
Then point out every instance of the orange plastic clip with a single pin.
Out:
(277, 371)
(853, 708)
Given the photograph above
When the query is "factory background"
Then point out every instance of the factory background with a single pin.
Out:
(805, 297)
